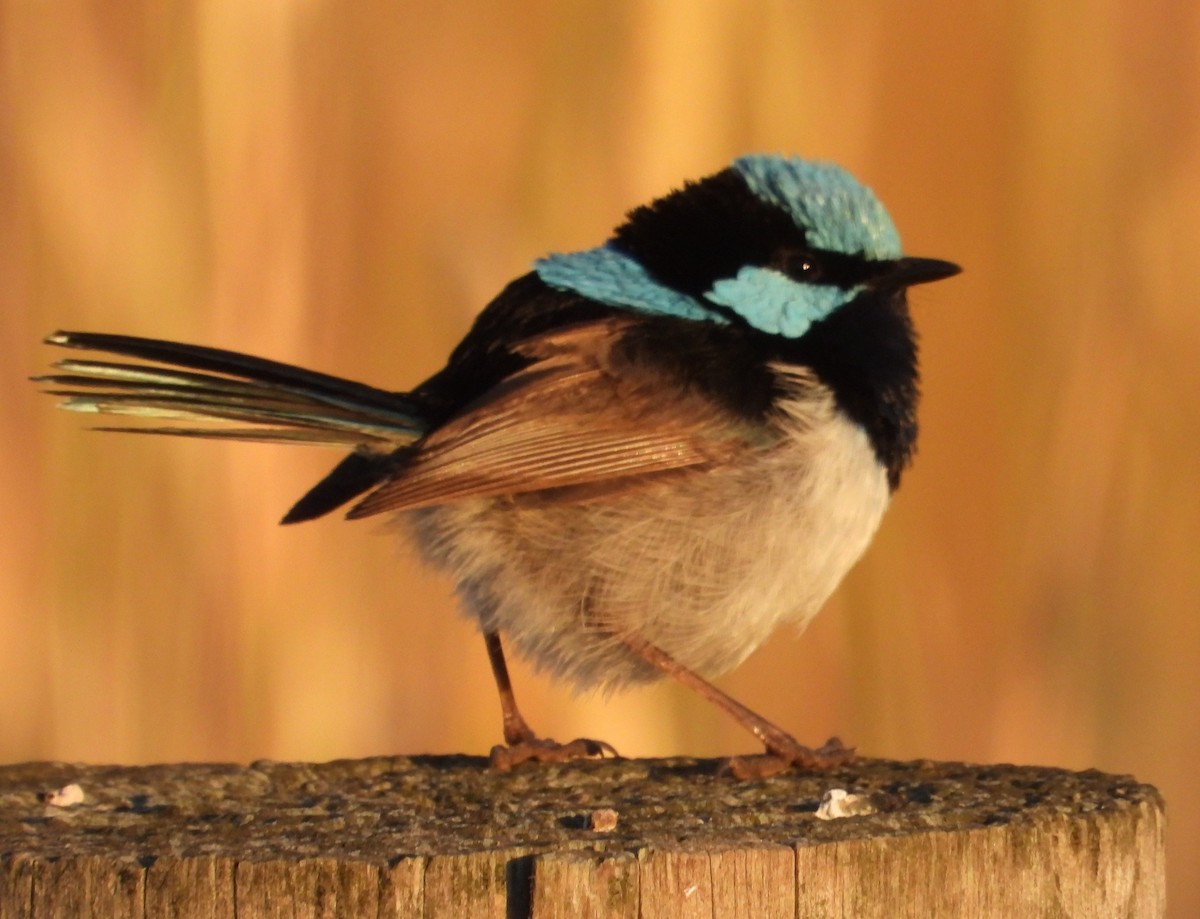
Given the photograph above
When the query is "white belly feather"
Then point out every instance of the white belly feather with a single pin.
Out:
(705, 566)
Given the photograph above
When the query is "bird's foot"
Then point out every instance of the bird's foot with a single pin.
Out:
(783, 756)
(544, 750)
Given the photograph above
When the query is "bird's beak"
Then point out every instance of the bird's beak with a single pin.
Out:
(904, 272)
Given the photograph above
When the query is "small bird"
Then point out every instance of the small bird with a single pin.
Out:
(641, 459)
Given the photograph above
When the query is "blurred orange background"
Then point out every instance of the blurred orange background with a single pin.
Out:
(345, 185)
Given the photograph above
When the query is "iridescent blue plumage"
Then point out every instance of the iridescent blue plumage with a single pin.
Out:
(610, 276)
(835, 210)
(776, 304)
(831, 212)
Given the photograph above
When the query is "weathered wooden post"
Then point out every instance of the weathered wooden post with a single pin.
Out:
(446, 836)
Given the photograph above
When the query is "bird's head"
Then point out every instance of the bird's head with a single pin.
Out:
(774, 243)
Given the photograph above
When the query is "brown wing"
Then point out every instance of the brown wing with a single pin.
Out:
(582, 418)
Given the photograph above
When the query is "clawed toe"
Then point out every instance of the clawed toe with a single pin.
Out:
(542, 750)
(828, 756)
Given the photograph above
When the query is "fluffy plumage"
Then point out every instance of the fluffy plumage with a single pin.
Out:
(704, 564)
(674, 441)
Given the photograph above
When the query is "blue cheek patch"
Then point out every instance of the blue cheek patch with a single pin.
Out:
(775, 304)
(768, 300)
(611, 277)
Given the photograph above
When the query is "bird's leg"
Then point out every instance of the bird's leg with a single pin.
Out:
(520, 742)
(783, 750)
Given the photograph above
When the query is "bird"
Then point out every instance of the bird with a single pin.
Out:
(642, 457)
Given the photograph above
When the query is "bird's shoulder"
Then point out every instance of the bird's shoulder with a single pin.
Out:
(729, 366)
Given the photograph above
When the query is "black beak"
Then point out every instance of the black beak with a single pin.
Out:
(905, 272)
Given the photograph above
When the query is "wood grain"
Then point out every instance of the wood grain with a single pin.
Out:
(447, 837)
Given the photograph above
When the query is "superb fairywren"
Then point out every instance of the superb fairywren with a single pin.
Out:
(641, 459)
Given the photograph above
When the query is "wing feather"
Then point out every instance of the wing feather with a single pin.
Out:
(582, 414)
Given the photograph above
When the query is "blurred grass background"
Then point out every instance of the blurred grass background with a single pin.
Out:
(345, 185)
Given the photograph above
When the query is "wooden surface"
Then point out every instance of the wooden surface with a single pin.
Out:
(445, 836)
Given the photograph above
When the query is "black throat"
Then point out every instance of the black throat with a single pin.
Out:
(866, 353)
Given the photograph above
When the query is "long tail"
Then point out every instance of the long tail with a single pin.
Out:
(207, 392)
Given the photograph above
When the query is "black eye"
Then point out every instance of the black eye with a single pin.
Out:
(798, 265)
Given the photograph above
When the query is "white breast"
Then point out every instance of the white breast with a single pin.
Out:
(704, 566)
